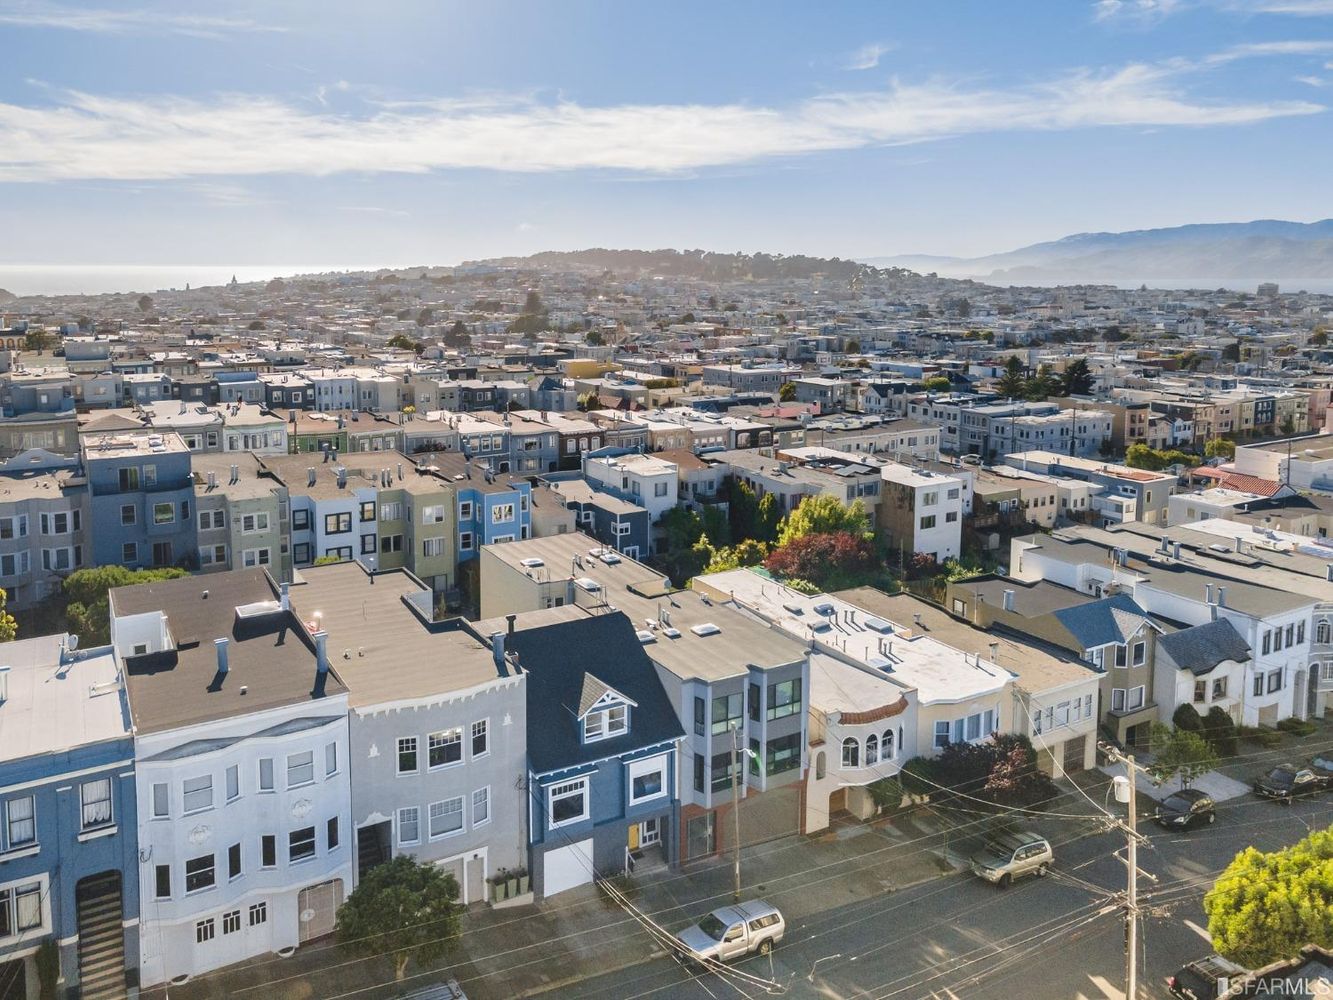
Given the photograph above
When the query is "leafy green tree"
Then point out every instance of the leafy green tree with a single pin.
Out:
(88, 608)
(768, 519)
(1319, 338)
(37, 340)
(687, 318)
(594, 338)
(822, 514)
(1180, 752)
(402, 909)
(1220, 447)
(1076, 379)
(1012, 383)
(787, 393)
(1288, 426)
(1042, 384)
(832, 560)
(1140, 456)
(1232, 351)
(717, 525)
(744, 510)
(747, 552)
(9, 626)
(426, 316)
(145, 303)
(681, 528)
(937, 383)
(458, 335)
(403, 342)
(853, 347)
(1267, 906)
(532, 303)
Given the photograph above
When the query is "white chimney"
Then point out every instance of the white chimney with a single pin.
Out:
(1221, 597)
(1008, 600)
(310, 476)
(321, 652)
(285, 598)
(221, 645)
(235, 474)
(1208, 593)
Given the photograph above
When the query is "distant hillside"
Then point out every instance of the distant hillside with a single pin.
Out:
(699, 264)
(1267, 249)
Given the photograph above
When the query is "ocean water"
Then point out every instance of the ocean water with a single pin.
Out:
(97, 279)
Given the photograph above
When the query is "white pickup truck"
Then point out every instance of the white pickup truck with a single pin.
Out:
(733, 932)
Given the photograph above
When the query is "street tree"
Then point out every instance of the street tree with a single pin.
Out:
(787, 393)
(402, 909)
(1182, 753)
(1268, 905)
(936, 383)
(458, 334)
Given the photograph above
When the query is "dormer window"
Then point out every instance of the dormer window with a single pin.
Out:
(604, 723)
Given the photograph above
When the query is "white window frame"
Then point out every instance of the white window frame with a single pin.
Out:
(640, 768)
(185, 794)
(299, 766)
(566, 790)
(415, 813)
(9, 843)
(436, 810)
(482, 795)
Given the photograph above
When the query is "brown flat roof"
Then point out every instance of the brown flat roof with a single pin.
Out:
(271, 657)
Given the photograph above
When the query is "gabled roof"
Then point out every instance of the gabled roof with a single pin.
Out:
(1112, 619)
(1200, 648)
(596, 692)
(560, 660)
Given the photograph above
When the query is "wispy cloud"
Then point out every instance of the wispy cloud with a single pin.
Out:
(132, 21)
(1150, 11)
(80, 136)
(867, 56)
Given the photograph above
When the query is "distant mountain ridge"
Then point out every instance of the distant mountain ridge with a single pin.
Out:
(1266, 249)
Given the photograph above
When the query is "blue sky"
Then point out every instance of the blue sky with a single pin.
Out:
(407, 132)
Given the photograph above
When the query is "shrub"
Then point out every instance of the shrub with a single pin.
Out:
(1187, 717)
(1220, 732)
(1265, 737)
(1297, 727)
(919, 776)
(887, 793)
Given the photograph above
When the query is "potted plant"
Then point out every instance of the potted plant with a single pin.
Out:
(511, 883)
(497, 884)
(523, 881)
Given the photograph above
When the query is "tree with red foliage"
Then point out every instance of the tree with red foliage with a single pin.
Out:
(830, 560)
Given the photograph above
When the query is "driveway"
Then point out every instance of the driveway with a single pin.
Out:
(1214, 783)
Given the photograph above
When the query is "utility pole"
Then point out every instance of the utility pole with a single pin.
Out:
(736, 812)
(1126, 791)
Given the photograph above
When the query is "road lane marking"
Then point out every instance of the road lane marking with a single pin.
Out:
(1202, 932)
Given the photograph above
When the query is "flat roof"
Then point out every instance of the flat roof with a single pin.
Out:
(54, 707)
(907, 655)
(271, 658)
(1038, 665)
(251, 483)
(122, 443)
(644, 595)
(382, 649)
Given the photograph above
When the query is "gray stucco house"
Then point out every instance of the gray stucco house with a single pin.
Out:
(437, 726)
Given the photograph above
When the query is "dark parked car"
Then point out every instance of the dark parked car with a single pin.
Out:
(1205, 979)
(1186, 808)
(1286, 781)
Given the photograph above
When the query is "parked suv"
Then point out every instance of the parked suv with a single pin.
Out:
(734, 931)
(1186, 808)
(1008, 856)
(1205, 979)
(1286, 781)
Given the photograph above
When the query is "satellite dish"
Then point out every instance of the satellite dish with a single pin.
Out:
(73, 643)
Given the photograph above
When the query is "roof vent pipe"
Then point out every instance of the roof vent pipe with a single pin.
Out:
(285, 597)
(321, 652)
(1008, 600)
(221, 645)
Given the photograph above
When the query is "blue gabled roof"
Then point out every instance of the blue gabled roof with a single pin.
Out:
(1098, 623)
(558, 658)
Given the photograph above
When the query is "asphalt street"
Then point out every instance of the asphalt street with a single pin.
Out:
(1061, 937)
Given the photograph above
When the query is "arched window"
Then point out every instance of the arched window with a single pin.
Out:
(886, 747)
(819, 766)
(851, 753)
(872, 750)
(1321, 632)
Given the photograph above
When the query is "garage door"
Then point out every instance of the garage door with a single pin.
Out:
(566, 867)
(1074, 751)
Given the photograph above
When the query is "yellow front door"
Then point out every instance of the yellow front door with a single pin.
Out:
(634, 836)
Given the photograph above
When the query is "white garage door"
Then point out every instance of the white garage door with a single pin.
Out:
(566, 867)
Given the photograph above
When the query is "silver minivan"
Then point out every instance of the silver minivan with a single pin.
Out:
(1008, 856)
(731, 932)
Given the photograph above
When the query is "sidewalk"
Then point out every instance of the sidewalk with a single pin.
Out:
(532, 950)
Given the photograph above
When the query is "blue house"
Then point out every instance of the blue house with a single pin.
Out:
(491, 508)
(602, 743)
(69, 866)
(141, 495)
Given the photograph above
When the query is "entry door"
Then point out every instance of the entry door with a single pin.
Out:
(650, 832)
